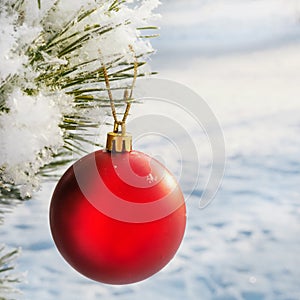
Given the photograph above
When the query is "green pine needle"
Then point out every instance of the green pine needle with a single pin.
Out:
(6, 279)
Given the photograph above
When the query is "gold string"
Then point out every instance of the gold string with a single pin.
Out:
(112, 104)
(127, 98)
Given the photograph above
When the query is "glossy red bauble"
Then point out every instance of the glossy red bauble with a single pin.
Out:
(117, 218)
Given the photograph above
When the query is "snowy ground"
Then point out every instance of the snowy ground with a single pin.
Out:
(243, 58)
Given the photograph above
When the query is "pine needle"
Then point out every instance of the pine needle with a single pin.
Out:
(6, 279)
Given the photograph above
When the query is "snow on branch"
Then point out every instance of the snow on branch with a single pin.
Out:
(51, 79)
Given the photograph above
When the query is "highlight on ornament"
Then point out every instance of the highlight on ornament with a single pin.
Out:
(117, 215)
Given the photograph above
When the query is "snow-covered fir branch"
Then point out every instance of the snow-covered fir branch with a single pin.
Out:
(51, 79)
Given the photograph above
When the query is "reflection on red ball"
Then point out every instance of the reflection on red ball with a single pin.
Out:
(117, 218)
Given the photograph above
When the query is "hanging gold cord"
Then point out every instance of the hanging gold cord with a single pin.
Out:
(127, 98)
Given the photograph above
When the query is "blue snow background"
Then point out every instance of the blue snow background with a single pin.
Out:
(243, 57)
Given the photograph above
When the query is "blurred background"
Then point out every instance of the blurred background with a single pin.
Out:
(243, 58)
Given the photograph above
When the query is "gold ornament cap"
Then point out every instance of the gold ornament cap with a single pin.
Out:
(118, 142)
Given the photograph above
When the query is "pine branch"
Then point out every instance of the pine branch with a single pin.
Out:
(6, 266)
(51, 54)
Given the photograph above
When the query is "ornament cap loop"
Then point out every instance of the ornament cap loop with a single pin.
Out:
(118, 142)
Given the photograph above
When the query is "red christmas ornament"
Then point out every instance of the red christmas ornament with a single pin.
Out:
(117, 216)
